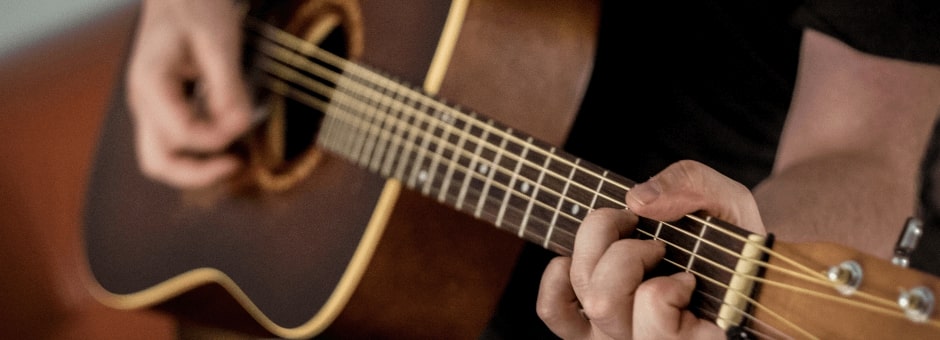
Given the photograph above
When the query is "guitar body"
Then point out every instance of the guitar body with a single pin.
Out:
(344, 252)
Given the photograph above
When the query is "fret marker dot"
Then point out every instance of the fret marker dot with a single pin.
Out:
(422, 176)
(575, 209)
(483, 169)
(524, 187)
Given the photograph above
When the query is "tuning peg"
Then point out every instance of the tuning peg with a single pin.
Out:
(847, 276)
(917, 303)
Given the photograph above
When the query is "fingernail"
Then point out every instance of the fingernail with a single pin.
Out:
(686, 278)
(646, 192)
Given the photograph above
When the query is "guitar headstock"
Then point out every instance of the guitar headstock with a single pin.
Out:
(823, 290)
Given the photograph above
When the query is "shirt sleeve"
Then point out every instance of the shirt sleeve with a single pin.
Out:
(902, 29)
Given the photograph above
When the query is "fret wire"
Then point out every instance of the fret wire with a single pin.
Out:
(343, 141)
(373, 123)
(455, 159)
(564, 192)
(359, 144)
(474, 159)
(365, 143)
(354, 142)
(422, 151)
(514, 175)
(389, 122)
(435, 160)
(597, 191)
(349, 143)
(401, 124)
(535, 191)
(698, 241)
(410, 144)
(383, 129)
(489, 178)
(389, 160)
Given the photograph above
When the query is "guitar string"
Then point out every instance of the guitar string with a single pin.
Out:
(474, 173)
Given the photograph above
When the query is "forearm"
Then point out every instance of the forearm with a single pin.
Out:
(847, 165)
(847, 199)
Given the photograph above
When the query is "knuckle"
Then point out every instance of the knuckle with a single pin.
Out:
(546, 311)
(600, 308)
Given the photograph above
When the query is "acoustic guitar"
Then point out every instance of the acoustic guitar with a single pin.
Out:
(288, 248)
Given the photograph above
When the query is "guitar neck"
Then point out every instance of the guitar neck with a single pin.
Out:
(478, 166)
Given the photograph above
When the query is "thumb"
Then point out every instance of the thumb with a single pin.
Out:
(217, 54)
(687, 187)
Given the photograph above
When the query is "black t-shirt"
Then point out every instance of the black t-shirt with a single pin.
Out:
(704, 80)
(927, 252)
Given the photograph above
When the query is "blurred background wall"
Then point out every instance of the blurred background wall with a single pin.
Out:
(25, 22)
(58, 63)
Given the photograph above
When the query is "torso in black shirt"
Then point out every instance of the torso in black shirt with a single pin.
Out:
(703, 80)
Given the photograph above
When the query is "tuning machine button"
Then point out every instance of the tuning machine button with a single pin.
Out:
(847, 276)
(917, 303)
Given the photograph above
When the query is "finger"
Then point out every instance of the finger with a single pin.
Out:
(686, 187)
(158, 163)
(557, 304)
(157, 97)
(662, 313)
(597, 232)
(217, 54)
(610, 298)
(158, 78)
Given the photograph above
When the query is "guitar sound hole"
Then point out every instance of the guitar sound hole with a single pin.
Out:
(301, 121)
(283, 150)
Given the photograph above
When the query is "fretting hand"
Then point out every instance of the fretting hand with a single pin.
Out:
(599, 292)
